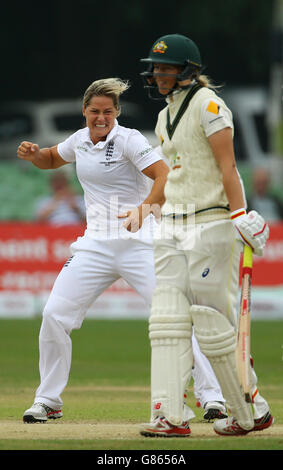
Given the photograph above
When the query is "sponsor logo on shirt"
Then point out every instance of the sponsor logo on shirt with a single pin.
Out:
(80, 147)
(144, 152)
(213, 107)
(176, 162)
(219, 117)
(205, 272)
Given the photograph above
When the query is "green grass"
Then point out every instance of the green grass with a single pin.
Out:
(110, 383)
(104, 352)
(243, 443)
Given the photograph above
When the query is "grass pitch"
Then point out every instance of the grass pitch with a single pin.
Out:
(108, 393)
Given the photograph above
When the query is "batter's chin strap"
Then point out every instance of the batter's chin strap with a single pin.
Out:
(191, 71)
(154, 94)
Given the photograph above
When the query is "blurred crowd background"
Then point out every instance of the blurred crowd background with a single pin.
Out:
(51, 51)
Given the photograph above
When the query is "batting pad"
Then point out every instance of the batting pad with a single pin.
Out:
(170, 331)
(217, 340)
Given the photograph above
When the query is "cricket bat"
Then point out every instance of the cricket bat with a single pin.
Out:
(243, 339)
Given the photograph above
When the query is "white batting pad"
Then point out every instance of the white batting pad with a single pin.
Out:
(217, 340)
(170, 331)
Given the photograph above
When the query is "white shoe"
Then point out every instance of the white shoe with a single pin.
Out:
(213, 410)
(40, 413)
(230, 427)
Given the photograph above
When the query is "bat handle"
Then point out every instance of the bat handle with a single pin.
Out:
(247, 266)
(248, 257)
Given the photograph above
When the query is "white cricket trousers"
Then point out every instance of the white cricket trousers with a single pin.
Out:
(94, 266)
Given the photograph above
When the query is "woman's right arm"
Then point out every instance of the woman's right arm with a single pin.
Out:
(45, 159)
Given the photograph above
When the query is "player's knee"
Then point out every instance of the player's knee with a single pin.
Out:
(215, 334)
(60, 314)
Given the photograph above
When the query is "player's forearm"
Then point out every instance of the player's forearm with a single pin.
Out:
(43, 159)
(156, 198)
(233, 188)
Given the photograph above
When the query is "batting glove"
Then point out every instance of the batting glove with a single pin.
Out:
(251, 229)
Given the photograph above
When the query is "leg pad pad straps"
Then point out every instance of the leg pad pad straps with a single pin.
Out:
(170, 330)
(217, 340)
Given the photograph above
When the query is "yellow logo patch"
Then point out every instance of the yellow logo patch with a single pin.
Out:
(212, 107)
(160, 47)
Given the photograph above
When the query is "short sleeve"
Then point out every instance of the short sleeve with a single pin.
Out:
(66, 149)
(214, 116)
(139, 151)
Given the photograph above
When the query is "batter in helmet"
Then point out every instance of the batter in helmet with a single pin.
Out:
(197, 246)
(174, 61)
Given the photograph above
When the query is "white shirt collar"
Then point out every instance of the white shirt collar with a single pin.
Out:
(101, 144)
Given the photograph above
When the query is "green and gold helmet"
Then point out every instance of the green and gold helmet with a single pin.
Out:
(174, 49)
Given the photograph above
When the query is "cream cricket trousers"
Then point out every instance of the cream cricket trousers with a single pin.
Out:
(203, 261)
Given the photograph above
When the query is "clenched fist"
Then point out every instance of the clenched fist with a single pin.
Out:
(28, 151)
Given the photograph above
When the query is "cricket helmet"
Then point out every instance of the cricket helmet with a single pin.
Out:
(174, 49)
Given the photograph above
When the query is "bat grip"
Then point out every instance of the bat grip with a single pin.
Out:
(248, 257)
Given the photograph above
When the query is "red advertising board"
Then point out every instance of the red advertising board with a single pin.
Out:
(268, 270)
(31, 256)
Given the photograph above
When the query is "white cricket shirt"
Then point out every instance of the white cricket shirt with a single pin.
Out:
(110, 174)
